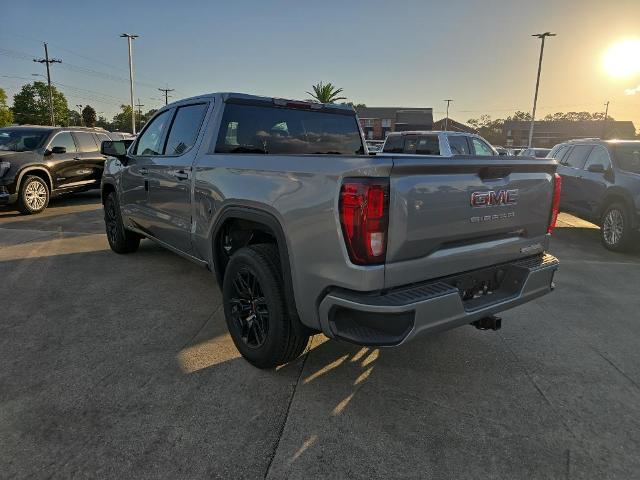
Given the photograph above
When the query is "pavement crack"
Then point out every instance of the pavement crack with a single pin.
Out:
(286, 416)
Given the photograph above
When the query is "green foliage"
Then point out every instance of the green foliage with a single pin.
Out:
(6, 116)
(488, 128)
(73, 119)
(122, 121)
(326, 93)
(104, 123)
(576, 116)
(89, 116)
(31, 105)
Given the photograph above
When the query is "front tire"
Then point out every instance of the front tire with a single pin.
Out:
(34, 195)
(256, 311)
(616, 231)
(120, 239)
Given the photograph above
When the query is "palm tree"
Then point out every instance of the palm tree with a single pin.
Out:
(326, 93)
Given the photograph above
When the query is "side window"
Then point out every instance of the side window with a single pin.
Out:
(428, 145)
(65, 140)
(481, 148)
(150, 142)
(459, 145)
(393, 144)
(598, 156)
(85, 142)
(185, 128)
(577, 156)
(102, 137)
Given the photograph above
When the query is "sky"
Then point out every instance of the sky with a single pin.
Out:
(382, 53)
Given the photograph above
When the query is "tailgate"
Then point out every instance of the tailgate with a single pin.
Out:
(450, 215)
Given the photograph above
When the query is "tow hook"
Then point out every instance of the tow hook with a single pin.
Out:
(491, 322)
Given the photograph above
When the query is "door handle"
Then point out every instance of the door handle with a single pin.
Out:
(143, 171)
(181, 175)
(77, 158)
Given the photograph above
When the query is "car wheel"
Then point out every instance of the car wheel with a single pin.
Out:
(255, 308)
(615, 228)
(34, 195)
(120, 239)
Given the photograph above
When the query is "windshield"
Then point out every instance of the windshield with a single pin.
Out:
(628, 157)
(21, 140)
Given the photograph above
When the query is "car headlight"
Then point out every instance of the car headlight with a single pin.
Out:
(4, 168)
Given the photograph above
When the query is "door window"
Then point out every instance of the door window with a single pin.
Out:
(481, 148)
(428, 145)
(150, 142)
(63, 139)
(86, 143)
(185, 128)
(598, 156)
(459, 145)
(577, 156)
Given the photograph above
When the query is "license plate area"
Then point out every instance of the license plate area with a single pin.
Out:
(488, 286)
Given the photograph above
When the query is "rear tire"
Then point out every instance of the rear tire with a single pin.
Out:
(120, 239)
(33, 196)
(256, 311)
(616, 232)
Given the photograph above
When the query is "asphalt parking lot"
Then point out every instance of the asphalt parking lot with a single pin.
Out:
(121, 367)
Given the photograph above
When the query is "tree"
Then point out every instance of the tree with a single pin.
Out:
(488, 128)
(89, 116)
(326, 93)
(31, 105)
(104, 123)
(74, 118)
(122, 121)
(6, 116)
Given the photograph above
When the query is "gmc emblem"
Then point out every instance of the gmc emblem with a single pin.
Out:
(492, 198)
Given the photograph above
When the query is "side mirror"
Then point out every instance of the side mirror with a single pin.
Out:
(113, 148)
(596, 168)
(59, 150)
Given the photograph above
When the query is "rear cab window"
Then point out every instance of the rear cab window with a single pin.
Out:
(393, 144)
(262, 128)
(428, 145)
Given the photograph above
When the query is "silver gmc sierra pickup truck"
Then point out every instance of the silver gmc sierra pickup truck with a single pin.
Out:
(307, 233)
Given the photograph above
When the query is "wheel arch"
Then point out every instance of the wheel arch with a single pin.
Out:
(38, 171)
(261, 221)
(106, 189)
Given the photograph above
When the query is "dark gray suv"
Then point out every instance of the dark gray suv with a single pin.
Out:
(601, 184)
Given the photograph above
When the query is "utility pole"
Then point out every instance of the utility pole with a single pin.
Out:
(446, 119)
(140, 105)
(604, 123)
(80, 110)
(130, 37)
(166, 94)
(541, 36)
(46, 61)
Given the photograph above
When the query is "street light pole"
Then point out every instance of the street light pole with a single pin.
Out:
(80, 110)
(541, 36)
(446, 119)
(130, 37)
(604, 123)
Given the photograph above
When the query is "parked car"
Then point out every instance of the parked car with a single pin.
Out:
(443, 144)
(534, 152)
(374, 146)
(516, 151)
(601, 184)
(37, 163)
(307, 233)
(502, 151)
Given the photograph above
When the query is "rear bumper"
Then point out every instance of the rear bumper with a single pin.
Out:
(398, 315)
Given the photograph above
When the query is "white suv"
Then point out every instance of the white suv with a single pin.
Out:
(443, 144)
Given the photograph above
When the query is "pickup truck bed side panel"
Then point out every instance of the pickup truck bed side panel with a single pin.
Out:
(301, 192)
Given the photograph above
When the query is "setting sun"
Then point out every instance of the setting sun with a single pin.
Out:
(623, 59)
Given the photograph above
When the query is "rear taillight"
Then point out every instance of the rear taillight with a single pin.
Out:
(555, 204)
(364, 216)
